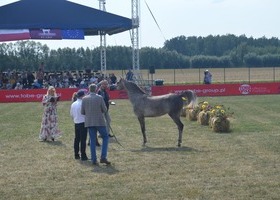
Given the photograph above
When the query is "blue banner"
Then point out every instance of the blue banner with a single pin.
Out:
(73, 34)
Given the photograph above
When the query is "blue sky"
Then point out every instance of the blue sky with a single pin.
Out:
(256, 18)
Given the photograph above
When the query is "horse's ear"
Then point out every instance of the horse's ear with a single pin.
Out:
(121, 80)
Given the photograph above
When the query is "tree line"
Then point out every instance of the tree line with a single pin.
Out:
(180, 52)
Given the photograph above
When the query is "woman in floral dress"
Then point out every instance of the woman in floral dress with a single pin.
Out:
(49, 126)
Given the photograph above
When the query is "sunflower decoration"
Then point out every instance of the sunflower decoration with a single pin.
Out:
(203, 115)
(204, 106)
(192, 113)
(219, 118)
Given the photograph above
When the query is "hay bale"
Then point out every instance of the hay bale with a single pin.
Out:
(220, 125)
(203, 118)
(211, 121)
(191, 114)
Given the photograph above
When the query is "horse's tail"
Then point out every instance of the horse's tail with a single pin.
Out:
(192, 98)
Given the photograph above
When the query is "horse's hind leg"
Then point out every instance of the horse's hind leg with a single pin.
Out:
(180, 126)
(143, 129)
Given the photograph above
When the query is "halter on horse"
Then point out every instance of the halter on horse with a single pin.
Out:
(145, 105)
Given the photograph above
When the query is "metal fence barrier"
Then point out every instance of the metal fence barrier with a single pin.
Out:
(219, 75)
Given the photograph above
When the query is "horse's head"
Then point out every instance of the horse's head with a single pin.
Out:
(131, 87)
(120, 84)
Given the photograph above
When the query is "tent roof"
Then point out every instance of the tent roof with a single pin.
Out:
(60, 14)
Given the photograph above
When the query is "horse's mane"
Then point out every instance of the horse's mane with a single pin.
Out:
(133, 87)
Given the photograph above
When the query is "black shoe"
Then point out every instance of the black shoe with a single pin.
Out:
(52, 139)
(105, 161)
(77, 157)
(111, 135)
(84, 158)
(95, 163)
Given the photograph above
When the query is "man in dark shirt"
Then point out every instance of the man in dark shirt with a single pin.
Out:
(113, 79)
(129, 75)
(102, 92)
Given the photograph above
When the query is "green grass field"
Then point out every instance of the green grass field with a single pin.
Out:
(243, 164)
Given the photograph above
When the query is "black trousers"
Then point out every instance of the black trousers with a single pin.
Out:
(80, 139)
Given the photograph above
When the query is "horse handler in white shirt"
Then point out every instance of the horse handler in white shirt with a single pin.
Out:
(80, 129)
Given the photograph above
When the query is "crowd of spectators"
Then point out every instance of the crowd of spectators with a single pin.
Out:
(59, 79)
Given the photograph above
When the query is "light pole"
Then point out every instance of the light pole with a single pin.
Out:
(102, 42)
(135, 11)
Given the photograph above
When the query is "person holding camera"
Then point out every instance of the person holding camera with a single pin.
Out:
(49, 125)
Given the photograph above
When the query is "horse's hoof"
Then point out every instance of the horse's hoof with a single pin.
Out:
(144, 144)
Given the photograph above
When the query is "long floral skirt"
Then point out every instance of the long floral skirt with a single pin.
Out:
(49, 126)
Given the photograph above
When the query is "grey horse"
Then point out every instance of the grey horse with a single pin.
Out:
(145, 105)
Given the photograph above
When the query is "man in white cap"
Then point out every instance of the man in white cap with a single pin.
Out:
(207, 77)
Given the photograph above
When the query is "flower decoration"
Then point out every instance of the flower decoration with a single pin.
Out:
(202, 106)
(193, 112)
(219, 118)
(220, 111)
(203, 114)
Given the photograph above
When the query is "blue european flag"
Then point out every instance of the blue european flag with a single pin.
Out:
(76, 34)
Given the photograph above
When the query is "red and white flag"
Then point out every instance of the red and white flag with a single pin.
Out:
(14, 34)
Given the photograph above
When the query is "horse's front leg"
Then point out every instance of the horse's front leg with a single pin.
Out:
(143, 129)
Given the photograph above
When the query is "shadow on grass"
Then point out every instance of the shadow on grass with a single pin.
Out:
(110, 169)
(156, 149)
(54, 143)
(101, 168)
(115, 140)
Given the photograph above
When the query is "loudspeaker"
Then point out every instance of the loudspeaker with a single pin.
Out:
(152, 69)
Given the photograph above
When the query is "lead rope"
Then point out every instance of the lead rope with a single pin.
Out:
(114, 135)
